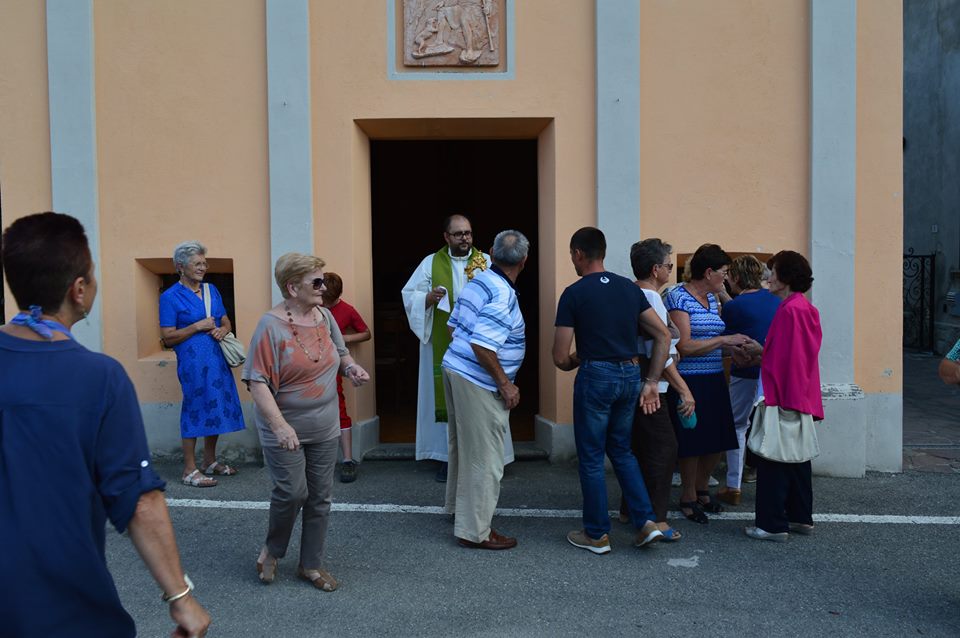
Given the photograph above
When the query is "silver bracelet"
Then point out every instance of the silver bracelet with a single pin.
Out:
(347, 369)
(175, 597)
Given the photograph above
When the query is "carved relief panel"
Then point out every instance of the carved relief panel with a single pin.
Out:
(458, 33)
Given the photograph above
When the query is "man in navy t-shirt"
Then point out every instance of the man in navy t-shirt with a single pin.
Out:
(605, 312)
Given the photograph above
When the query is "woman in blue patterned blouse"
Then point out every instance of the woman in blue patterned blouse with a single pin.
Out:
(695, 309)
(211, 406)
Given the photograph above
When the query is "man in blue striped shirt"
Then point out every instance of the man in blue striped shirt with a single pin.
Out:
(486, 349)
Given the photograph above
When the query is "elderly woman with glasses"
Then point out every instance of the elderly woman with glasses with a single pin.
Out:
(210, 406)
(695, 309)
(295, 355)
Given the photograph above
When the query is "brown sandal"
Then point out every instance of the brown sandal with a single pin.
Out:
(729, 495)
(267, 569)
(319, 578)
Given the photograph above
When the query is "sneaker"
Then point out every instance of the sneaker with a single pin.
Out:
(713, 482)
(649, 534)
(579, 538)
(676, 482)
(749, 475)
(763, 535)
(348, 472)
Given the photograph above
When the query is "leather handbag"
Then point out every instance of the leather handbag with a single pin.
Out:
(785, 436)
(231, 347)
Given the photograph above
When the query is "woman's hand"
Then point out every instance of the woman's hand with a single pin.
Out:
(753, 348)
(740, 357)
(205, 325)
(687, 405)
(735, 341)
(286, 436)
(649, 398)
(219, 333)
(357, 375)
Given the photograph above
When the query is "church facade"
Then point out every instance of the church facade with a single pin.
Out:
(259, 126)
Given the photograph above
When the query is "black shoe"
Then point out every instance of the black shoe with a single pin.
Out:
(709, 505)
(441, 475)
(348, 472)
(696, 514)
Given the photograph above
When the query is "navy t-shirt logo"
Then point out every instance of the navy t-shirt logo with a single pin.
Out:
(604, 279)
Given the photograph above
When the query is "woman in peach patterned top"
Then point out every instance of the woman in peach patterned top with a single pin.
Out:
(294, 357)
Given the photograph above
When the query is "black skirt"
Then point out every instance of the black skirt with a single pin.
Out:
(715, 431)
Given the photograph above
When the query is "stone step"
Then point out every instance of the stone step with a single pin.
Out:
(522, 451)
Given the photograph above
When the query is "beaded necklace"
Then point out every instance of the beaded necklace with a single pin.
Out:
(296, 335)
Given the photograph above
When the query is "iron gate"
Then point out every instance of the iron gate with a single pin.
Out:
(919, 273)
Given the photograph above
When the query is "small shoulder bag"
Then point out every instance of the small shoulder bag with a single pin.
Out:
(231, 347)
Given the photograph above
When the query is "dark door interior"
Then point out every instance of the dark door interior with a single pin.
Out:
(415, 185)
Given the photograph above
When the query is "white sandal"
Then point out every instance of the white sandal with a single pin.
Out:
(196, 479)
(220, 469)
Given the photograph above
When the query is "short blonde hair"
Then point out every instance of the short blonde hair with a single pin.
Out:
(746, 271)
(293, 266)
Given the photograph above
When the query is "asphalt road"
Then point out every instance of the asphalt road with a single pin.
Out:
(402, 574)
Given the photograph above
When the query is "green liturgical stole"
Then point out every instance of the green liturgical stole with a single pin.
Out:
(441, 274)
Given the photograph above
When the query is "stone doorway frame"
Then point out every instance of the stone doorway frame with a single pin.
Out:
(366, 432)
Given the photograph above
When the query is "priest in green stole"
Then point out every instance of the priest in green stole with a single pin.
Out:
(428, 298)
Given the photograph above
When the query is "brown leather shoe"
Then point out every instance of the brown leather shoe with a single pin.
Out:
(495, 541)
(729, 496)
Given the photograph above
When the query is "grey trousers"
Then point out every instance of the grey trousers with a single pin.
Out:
(301, 479)
(476, 425)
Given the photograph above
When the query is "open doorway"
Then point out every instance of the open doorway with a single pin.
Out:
(414, 186)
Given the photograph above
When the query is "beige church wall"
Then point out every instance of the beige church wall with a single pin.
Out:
(879, 329)
(181, 136)
(182, 133)
(878, 337)
(555, 80)
(24, 115)
(724, 124)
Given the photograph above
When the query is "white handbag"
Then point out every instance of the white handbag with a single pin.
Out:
(785, 436)
(231, 347)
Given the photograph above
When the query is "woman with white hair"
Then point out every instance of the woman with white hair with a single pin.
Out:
(211, 406)
(295, 355)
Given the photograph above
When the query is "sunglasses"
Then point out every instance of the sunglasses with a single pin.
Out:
(318, 283)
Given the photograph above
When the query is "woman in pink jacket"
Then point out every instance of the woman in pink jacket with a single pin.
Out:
(790, 375)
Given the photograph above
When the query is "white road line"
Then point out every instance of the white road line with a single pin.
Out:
(390, 508)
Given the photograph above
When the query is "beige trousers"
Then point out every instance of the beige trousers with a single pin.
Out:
(476, 424)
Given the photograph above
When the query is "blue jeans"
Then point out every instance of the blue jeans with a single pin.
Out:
(605, 398)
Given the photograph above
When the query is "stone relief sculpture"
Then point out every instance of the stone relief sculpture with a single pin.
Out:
(451, 32)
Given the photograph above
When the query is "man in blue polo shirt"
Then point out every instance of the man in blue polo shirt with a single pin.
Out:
(486, 350)
(605, 313)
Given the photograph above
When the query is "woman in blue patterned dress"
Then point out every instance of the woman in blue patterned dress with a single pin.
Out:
(695, 309)
(211, 406)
